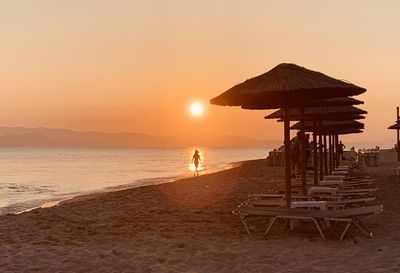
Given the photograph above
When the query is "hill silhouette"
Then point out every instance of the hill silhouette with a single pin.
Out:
(47, 137)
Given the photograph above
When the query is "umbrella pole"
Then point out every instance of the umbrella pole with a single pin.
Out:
(315, 155)
(288, 186)
(333, 152)
(321, 162)
(303, 158)
(398, 138)
(325, 156)
(337, 151)
(330, 153)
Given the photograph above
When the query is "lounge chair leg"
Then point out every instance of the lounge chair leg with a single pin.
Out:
(243, 218)
(362, 227)
(271, 222)
(319, 228)
(345, 229)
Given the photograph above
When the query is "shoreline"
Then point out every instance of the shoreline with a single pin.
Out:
(137, 184)
(84, 197)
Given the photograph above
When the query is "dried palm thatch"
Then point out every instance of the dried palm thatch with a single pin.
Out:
(326, 125)
(286, 85)
(343, 131)
(319, 113)
(332, 117)
(340, 101)
(395, 126)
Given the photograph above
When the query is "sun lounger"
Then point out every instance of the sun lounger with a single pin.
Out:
(322, 190)
(345, 184)
(266, 196)
(321, 204)
(349, 216)
(265, 203)
(263, 196)
(340, 172)
(334, 177)
(363, 190)
(343, 168)
(338, 191)
(309, 205)
(349, 202)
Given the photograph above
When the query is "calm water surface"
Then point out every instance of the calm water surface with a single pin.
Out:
(31, 177)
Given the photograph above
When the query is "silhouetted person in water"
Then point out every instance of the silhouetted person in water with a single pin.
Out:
(196, 159)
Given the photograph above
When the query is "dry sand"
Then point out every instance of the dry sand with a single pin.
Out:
(187, 226)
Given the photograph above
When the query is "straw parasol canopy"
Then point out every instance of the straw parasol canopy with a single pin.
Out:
(332, 125)
(319, 113)
(286, 85)
(340, 131)
(330, 118)
(395, 126)
(340, 101)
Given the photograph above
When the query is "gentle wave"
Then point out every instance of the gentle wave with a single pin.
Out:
(31, 177)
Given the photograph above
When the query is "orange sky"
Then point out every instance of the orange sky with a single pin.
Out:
(137, 65)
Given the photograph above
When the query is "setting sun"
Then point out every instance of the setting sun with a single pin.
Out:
(196, 109)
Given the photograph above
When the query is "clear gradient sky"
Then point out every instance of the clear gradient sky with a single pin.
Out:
(137, 65)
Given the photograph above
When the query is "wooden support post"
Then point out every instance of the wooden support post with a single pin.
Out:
(330, 153)
(321, 158)
(325, 156)
(303, 158)
(337, 151)
(288, 182)
(315, 153)
(398, 138)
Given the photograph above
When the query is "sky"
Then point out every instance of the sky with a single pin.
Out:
(136, 66)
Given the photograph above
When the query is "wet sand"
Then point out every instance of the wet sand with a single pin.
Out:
(187, 226)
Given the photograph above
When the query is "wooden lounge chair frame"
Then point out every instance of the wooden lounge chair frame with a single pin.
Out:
(349, 216)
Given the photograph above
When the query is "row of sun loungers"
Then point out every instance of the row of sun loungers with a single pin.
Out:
(341, 197)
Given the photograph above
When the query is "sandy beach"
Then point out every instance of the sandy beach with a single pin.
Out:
(187, 226)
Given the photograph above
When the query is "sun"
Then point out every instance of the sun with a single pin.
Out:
(196, 109)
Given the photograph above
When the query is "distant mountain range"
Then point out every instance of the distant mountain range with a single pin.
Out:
(46, 137)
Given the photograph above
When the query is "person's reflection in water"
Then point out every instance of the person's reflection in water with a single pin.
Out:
(196, 159)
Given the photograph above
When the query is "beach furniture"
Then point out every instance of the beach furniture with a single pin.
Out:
(339, 172)
(322, 190)
(334, 177)
(343, 184)
(264, 196)
(318, 190)
(333, 203)
(350, 216)
(272, 200)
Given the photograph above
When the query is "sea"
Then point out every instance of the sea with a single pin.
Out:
(33, 177)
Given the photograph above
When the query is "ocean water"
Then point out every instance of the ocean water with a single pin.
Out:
(32, 177)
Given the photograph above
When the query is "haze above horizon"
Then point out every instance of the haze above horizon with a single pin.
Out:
(137, 66)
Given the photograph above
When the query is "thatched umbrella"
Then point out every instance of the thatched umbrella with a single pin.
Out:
(319, 113)
(314, 114)
(339, 101)
(396, 126)
(329, 125)
(286, 85)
